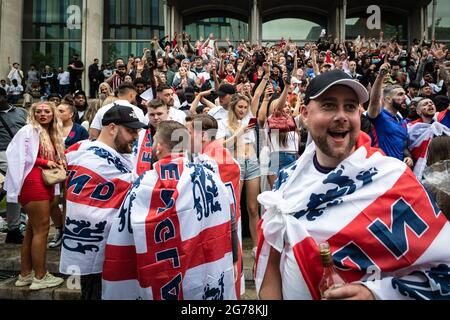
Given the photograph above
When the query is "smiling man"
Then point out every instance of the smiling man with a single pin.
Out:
(344, 192)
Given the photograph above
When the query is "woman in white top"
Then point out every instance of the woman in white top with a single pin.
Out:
(240, 139)
(36, 146)
(284, 145)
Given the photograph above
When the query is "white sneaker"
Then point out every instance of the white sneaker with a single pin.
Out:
(25, 281)
(57, 239)
(254, 252)
(49, 281)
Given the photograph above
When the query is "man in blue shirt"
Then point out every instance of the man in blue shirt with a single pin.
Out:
(389, 132)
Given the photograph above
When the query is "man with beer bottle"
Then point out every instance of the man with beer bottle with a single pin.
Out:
(385, 235)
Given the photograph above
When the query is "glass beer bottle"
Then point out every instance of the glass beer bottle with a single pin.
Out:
(330, 278)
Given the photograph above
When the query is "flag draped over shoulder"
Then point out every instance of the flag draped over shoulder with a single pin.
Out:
(98, 181)
(382, 226)
(172, 237)
(142, 152)
(420, 135)
(219, 160)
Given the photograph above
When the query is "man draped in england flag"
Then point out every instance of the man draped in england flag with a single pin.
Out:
(430, 124)
(387, 237)
(99, 177)
(172, 237)
(210, 153)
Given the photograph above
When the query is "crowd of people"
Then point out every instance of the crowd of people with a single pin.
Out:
(159, 157)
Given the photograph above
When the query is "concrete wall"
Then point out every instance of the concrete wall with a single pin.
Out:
(92, 46)
(11, 12)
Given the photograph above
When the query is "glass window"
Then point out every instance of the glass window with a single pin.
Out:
(52, 19)
(296, 29)
(441, 21)
(222, 28)
(114, 50)
(51, 32)
(56, 53)
(129, 25)
(356, 26)
(133, 19)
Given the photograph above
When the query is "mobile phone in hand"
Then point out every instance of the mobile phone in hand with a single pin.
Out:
(252, 122)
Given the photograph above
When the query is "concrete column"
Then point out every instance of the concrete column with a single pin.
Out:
(11, 22)
(416, 25)
(174, 21)
(336, 20)
(92, 39)
(255, 23)
(343, 20)
(333, 23)
(433, 22)
(167, 30)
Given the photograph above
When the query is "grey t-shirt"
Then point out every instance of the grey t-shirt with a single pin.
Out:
(15, 118)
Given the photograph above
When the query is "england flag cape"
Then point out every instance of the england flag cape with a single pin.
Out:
(382, 226)
(98, 181)
(420, 135)
(142, 152)
(219, 160)
(172, 237)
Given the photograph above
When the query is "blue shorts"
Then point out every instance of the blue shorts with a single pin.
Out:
(279, 160)
(250, 169)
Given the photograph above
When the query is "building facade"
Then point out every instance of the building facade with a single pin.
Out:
(51, 31)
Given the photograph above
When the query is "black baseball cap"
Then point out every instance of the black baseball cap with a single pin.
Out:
(226, 89)
(124, 116)
(325, 81)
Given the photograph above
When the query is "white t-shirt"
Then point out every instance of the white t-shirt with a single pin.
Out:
(64, 78)
(97, 122)
(292, 144)
(177, 115)
(221, 115)
(15, 91)
(294, 287)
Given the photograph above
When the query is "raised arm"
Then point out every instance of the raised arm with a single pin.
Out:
(260, 89)
(199, 97)
(281, 102)
(262, 114)
(314, 62)
(377, 92)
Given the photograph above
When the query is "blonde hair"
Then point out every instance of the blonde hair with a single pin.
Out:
(106, 84)
(108, 100)
(93, 106)
(51, 136)
(233, 122)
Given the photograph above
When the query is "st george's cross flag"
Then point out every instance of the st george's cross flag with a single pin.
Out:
(383, 228)
(219, 160)
(420, 135)
(98, 181)
(172, 237)
(143, 152)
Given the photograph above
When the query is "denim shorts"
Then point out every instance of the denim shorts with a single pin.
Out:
(279, 160)
(249, 169)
